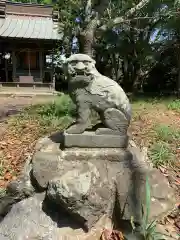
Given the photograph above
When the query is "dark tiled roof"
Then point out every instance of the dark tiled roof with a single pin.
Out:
(29, 27)
(28, 21)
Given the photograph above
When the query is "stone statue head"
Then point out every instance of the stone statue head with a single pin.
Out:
(80, 65)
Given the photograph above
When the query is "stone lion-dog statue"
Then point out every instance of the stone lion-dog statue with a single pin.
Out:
(91, 90)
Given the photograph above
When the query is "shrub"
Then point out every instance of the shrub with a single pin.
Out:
(62, 106)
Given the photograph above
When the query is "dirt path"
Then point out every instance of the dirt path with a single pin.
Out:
(13, 105)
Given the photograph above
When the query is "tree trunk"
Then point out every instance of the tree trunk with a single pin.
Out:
(86, 37)
(86, 41)
(177, 54)
(178, 83)
(178, 79)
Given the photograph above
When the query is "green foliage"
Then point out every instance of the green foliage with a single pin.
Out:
(174, 105)
(2, 192)
(161, 154)
(46, 118)
(149, 229)
(150, 232)
(34, 1)
(134, 52)
(166, 133)
(61, 107)
(69, 10)
(1, 168)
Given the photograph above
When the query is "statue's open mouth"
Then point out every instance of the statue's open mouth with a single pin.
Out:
(83, 79)
(80, 74)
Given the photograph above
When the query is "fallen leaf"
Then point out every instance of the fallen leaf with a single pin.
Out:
(14, 177)
(163, 169)
(170, 220)
(111, 235)
(8, 176)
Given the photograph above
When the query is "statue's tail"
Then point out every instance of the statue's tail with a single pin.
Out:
(127, 110)
(129, 113)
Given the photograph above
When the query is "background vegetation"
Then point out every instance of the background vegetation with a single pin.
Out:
(135, 42)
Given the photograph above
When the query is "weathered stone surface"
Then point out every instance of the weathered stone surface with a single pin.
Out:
(22, 187)
(26, 220)
(92, 140)
(29, 219)
(86, 180)
(33, 219)
(87, 183)
(44, 167)
(17, 189)
(84, 191)
(162, 195)
(49, 161)
(90, 90)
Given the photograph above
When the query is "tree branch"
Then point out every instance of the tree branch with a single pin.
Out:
(140, 5)
(129, 13)
(93, 10)
(88, 10)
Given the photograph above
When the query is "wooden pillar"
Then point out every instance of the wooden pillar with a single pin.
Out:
(29, 62)
(41, 65)
(14, 65)
(6, 70)
(52, 75)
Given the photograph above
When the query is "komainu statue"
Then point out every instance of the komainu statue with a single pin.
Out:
(90, 90)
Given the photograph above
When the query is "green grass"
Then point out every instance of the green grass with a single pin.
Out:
(174, 105)
(167, 133)
(147, 229)
(1, 166)
(37, 121)
(168, 102)
(1, 170)
(59, 114)
(2, 192)
(161, 154)
(55, 115)
(60, 107)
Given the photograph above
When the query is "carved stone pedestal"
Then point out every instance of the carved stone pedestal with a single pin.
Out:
(93, 140)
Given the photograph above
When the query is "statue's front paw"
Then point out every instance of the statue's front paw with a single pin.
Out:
(75, 129)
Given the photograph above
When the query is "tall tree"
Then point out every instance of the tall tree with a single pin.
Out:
(34, 1)
(84, 18)
(121, 34)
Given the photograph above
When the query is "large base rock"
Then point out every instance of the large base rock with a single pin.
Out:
(31, 219)
(87, 184)
(91, 182)
(26, 220)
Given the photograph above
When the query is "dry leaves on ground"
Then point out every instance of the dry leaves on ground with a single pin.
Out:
(111, 235)
(15, 145)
